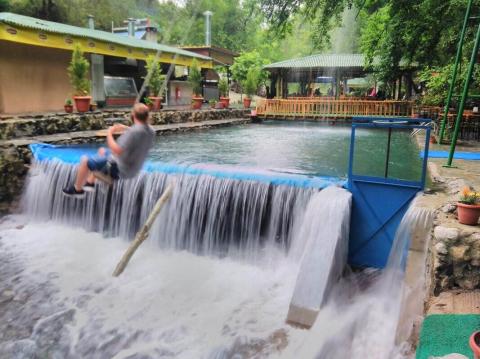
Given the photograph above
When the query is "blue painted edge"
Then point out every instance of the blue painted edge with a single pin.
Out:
(72, 155)
(474, 156)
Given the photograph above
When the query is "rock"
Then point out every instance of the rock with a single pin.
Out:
(445, 234)
(441, 248)
(455, 186)
(460, 253)
(449, 208)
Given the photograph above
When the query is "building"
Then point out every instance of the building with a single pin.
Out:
(34, 56)
(220, 57)
(326, 75)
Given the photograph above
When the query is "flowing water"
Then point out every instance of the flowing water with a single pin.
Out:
(217, 275)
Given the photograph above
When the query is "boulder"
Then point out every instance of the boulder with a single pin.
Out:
(446, 234)
(460, 253)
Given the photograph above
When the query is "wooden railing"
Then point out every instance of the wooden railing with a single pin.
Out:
(319, 107)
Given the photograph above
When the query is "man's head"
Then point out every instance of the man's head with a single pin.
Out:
(140, 113)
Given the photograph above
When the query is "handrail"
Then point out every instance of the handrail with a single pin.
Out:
(319, 107)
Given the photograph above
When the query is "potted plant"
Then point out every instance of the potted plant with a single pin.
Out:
(212, 103)
(78, 74)
(148, 102)
(475, 344)
(250, 87)
(155, 80)
(195, 80)
(68, 106)
(468, 207)
(223, 88)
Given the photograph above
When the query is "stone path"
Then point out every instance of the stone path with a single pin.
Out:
(84, 135)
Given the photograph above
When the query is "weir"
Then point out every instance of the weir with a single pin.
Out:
(242, 213)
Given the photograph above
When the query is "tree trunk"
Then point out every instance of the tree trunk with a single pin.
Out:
(142, 234)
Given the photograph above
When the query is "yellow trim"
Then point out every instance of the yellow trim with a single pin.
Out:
(65, 42)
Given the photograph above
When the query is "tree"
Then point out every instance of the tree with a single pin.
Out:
(244, 63)
(4, 5)
(250, 85)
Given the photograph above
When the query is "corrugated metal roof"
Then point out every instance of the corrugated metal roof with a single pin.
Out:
(59, 28)
(322, 60)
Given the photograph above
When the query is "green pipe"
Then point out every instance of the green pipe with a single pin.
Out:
(461, 107)
(455, 68)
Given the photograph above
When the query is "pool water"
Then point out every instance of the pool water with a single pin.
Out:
(304, 148)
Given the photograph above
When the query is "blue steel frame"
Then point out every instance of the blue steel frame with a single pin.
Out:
(379, 203)
(397, 123)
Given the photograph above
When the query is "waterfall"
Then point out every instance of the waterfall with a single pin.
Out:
(206, 214)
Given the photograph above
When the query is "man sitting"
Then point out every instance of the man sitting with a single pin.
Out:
(125, 157)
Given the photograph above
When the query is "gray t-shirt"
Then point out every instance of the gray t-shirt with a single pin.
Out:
(135, 144)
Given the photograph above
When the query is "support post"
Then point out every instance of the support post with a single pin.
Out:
(142, 234)
(454, 74)
(463, 99)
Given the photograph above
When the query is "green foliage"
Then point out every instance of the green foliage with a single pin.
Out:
(68, 102)
(195, 78)
(223, 87)
(437, 82)
(155, 77)
(147, 101)
(4, 5)
(78, 72)
(252, 80)
(246, 62)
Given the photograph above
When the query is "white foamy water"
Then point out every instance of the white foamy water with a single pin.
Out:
(175, 304)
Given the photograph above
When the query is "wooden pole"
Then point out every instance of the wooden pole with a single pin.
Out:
(142, 234)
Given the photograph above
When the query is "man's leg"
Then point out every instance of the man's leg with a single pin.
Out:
(82, 174)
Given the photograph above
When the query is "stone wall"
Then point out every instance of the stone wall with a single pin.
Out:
(455, 249)
(17, 132)
(47, 124)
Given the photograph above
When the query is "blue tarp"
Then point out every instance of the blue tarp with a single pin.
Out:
(72, 155)
(474, 156)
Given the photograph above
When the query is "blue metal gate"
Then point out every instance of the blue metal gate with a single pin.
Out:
(379, 203)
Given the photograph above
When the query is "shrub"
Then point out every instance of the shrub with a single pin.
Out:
(78, 72)
(154, 78)
(223, 87)
(195, 78)
(250, 85)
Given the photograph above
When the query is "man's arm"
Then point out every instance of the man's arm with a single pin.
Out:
(112, 144)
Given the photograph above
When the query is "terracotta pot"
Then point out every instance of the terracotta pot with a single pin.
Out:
(433, 140)
(157, 102)
(68, 108)
(197, 103)
(225, 101)
(93, 107)
(247, 102)
(468, 213)
(82, 103)
(150, 107)
(474, 344)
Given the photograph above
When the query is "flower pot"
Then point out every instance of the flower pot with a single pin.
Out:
(197, 103)
(156, 103)
(247, 102)
(93, 107)
(68, 108)
(225, 101)
(475, 344)
(433, 140)
(468, 213)
(82, 103)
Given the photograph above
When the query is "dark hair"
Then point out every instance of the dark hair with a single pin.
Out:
(140, 112)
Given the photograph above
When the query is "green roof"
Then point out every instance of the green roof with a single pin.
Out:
(59, 28)
(322, 60)
(351, 61)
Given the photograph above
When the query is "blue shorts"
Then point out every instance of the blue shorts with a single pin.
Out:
(103, 164)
